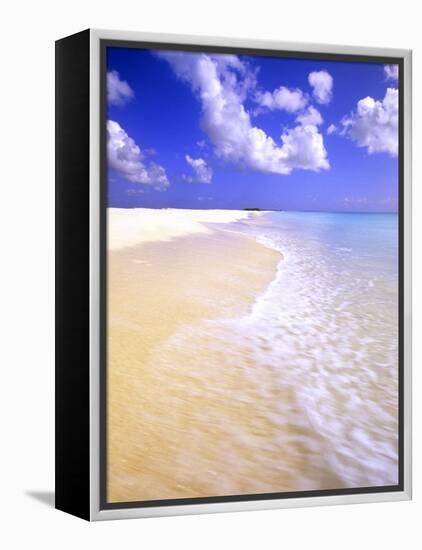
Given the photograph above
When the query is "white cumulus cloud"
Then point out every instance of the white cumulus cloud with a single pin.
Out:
(303, 147)
(374, 124)
(222, 83)
(322, 84)
(202, 172)
(284, 99)
(126, 158)
(118, 91)
(310, 116)
(391, 72)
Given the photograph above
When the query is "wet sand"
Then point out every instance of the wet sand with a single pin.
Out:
(184, 419)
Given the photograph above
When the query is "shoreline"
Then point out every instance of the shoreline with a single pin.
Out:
(216, 379)
(158, 289)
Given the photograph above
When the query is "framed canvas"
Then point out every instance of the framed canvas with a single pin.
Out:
(233, 288)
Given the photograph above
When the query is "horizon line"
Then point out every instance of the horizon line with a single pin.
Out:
(262, 210)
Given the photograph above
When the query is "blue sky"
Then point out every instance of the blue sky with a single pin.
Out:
(200, 130)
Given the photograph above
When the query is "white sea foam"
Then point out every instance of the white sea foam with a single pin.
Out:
(331, 336)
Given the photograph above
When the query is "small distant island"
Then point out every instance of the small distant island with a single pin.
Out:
(253, 209)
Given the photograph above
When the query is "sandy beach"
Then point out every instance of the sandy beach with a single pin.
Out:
(238, 366)
(183, 420)
(157, 417)
(132, 226)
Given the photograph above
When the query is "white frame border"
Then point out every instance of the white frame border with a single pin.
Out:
(123, 513)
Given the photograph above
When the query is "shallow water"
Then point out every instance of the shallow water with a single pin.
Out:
(332, 314)
(318, 356)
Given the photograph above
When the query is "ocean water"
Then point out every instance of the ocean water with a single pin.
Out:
(319, 348)
(330, 321)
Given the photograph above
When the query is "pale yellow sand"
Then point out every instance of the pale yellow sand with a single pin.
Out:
(184, 420)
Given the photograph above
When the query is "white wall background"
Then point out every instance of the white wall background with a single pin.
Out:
(29, 29)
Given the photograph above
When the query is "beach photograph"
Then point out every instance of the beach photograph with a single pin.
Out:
(252, 275)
